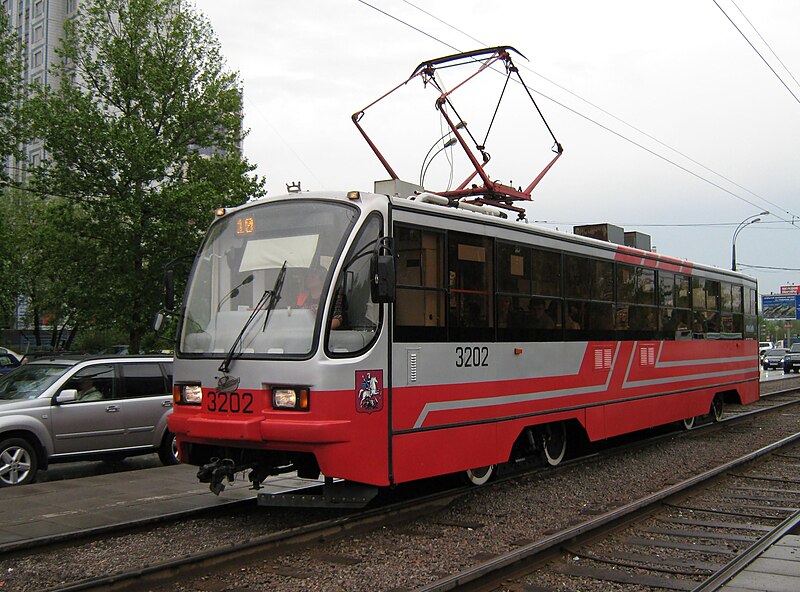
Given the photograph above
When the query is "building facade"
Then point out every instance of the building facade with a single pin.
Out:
(39, 25)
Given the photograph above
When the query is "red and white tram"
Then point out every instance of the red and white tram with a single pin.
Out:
(380, 338)
(500, 335)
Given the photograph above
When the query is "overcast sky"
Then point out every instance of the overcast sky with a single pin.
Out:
(678, 71)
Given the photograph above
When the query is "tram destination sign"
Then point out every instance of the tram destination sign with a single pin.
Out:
(780, 307)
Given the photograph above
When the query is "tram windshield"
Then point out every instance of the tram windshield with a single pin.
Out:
(238, 267)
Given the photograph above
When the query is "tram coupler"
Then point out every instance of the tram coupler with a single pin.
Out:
(215, 472)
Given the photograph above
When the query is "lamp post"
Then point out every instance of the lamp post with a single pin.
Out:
(746, 222)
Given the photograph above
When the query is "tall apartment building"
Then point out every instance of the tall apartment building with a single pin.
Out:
(40, 27)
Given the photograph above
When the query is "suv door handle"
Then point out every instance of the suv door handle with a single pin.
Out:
(166, 404)
(112, 409)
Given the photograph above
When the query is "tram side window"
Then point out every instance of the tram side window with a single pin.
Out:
(674, 297)
(636, 315)
(470, 288)
(420, 308)
(750, 311)
(527, 280)
(589, 287)
(730, 318)
(706, 320)
(353, 318)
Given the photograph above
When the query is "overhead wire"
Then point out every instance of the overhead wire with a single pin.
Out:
(597, 123)
(764, 41)
(763, 59)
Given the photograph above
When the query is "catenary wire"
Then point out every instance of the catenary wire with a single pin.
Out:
(608, 113)
(780, 61)
(758, 52)
(597, 123)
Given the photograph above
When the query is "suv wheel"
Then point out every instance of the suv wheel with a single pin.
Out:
(18, 462)
(168, 451)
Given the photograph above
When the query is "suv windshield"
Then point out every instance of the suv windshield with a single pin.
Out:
(28, 382)
(239, 265)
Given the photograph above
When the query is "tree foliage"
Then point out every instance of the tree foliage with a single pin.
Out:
(142, 138)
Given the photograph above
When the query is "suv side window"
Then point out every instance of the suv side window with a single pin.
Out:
(142, 380)
(93, 383)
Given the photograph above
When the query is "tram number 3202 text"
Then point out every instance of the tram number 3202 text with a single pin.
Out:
(472, 357)
(229, 402)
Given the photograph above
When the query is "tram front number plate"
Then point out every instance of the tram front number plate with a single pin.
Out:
(229, 402)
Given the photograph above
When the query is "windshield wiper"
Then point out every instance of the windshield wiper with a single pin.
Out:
(268, 299)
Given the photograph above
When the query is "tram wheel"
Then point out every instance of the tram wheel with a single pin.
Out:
(479, 476)
(688, 423)
(554, 442)
(717, 408)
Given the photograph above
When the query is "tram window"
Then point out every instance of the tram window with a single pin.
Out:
(712, 295)
(666, 289)
(698, 293)
(545, 273)
(528, 319)
(706, 324)
(682, 291)
(736, 299)
(470, 310)
(514, 269)
(674, 324)
(726, 297)
(750, 327)
(353, 318)
(590, 279)
(635, 285)
(750, 306)
(420, 304)
(420, 258)
(640, 321)
(589, 320)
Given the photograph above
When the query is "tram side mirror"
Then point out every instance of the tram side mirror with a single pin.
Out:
(382, 271)
(158, 322)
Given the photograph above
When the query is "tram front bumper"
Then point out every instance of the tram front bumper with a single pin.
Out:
(261, 430)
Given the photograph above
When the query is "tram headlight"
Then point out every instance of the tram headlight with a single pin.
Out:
(187, 394)
(296, 398)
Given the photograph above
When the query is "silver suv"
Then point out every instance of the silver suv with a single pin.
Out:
(64, 409)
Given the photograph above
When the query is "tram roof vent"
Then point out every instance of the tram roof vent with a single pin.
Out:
(397, 188)
(606, 232)
(638, 240)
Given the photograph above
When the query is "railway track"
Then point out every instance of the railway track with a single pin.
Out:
(306, 536)
(674, 539)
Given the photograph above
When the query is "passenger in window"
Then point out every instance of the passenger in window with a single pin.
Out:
(539, 319)
(310, 293)
(509, 313)
(572, 315)
(88, 392)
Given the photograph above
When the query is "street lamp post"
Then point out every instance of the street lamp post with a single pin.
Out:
(746, 222)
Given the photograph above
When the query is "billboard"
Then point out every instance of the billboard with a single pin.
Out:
(790, 289)
(783, 307)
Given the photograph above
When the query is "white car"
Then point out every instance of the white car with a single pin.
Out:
(763, 346)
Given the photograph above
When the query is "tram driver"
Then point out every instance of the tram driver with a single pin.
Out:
(309, 295)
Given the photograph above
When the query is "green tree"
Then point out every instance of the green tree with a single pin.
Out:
(142, 137)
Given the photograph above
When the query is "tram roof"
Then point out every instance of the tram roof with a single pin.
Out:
(622, 253)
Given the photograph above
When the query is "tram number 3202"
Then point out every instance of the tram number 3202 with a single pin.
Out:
(229, 402)
(472, 357)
